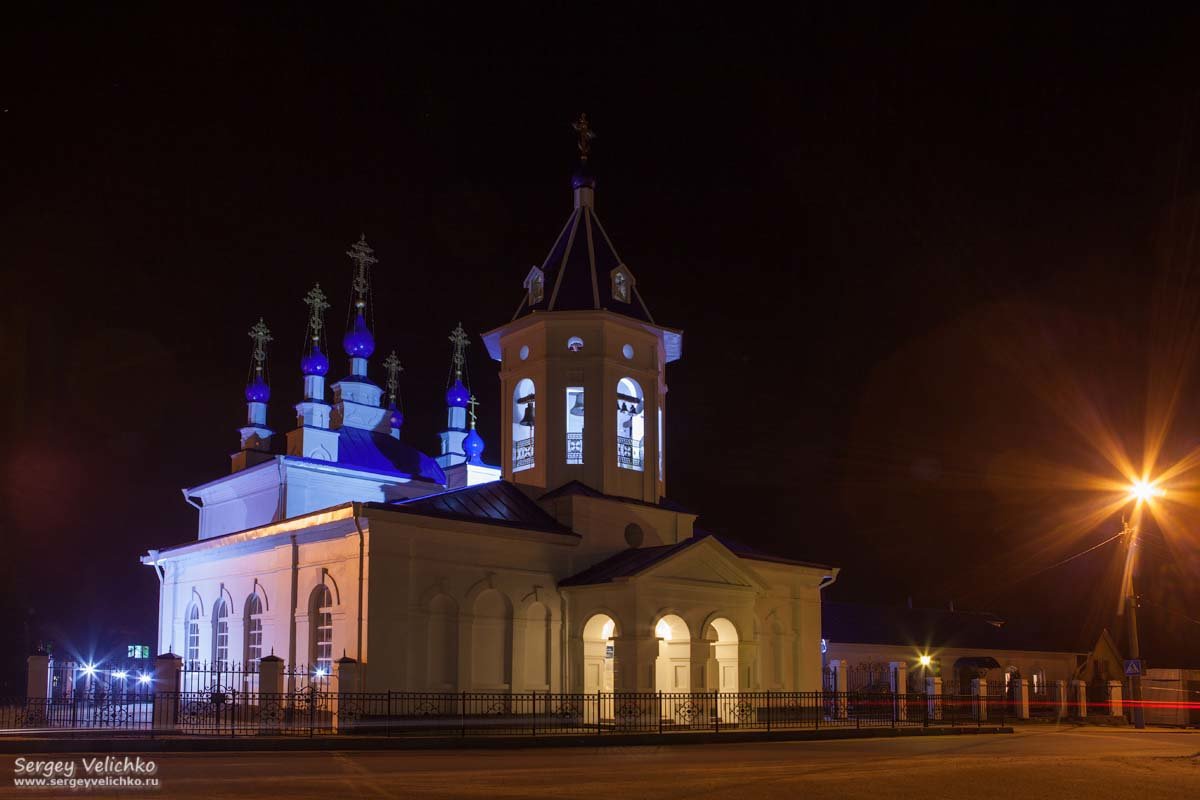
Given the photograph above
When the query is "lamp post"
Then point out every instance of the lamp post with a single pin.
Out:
(1141, 491)
(1135, 681)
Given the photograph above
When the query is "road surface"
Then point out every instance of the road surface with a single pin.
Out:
(1034, 762)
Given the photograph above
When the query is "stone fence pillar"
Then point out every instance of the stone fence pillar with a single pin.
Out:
(37, 677)
(899, 681)
(1079, 698)
(167, 668)
(1060, 699)
(270, 675)
(933, 696)
(348, 676)
(1116, 706)
(979, 692)
(1021, 698)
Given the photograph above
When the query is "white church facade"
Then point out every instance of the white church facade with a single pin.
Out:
(563, 569)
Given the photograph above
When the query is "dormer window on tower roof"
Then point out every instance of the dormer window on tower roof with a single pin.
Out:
(535, 285)
(622, 283)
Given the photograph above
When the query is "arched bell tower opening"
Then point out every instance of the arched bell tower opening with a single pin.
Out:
(524, 419)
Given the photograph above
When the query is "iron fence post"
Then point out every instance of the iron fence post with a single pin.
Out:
(717, 711)
(534, 726)
(388, 715)
(660, 700)
(464, 715)
(857, 712)
(768, 710)
(599, 706)
(820, 711)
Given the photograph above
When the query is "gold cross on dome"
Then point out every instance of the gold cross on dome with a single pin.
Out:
(472, 403)
(261, 334)
(363, 257)
(586, 134)
(392, 365)
(458, 338)
(316, 302)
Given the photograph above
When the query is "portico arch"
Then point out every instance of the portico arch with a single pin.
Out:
(723, 668)
(672, 669)
(598, 653)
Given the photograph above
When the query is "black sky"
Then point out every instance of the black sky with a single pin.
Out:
(880, 228)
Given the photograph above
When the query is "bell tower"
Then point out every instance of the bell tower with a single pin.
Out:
(583, 364)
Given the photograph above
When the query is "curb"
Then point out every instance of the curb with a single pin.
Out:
(212, 744)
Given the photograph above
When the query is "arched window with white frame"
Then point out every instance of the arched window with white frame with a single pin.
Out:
(191, 646)
(220, 624)
(320, 620)
(631, 425)
(524, 399)
(254, 632)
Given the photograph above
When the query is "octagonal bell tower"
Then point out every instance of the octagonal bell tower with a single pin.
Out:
(583, 365)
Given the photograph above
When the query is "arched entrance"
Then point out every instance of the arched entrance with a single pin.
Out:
(672, 668)
(723, 671)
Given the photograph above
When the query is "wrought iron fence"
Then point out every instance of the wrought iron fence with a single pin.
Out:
(307, 711)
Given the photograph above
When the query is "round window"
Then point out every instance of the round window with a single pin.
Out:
(524, 352)
(627, 351)
(634, 535)
(574, 344)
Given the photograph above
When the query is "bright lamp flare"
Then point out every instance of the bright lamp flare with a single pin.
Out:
(1144, 490)
(926, 661)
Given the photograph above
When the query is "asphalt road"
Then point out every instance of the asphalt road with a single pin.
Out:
(1035, 762)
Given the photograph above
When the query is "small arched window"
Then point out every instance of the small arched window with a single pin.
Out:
(320, 619)
(535, 285)
(220, 621)
(523, 414)
(254, 632)
(631, 425)
(192, 638)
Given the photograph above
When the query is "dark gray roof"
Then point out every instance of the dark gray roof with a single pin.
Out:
(578, 272)
(625, 564)
(851, 623)
(582, 489)
(493, 503)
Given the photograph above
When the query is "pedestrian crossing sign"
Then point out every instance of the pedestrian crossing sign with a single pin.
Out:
(1133, 667)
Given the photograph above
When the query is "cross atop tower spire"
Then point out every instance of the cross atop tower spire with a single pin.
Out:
(582, 127)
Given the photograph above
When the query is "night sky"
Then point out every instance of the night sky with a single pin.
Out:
(910, 250)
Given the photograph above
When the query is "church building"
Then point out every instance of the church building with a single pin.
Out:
(563, 569)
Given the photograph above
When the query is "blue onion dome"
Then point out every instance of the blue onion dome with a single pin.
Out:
(473, 445)
(257, 391)
(315, 363)
(358, 342)
(395, 416)
(583, 178)
(457, 395)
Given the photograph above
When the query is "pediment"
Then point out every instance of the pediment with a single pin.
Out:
(707, 563)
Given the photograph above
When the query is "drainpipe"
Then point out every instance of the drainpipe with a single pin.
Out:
(361, 564)
(292, 626)
(161, 573)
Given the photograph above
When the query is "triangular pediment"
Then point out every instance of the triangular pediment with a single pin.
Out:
(707, 563)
